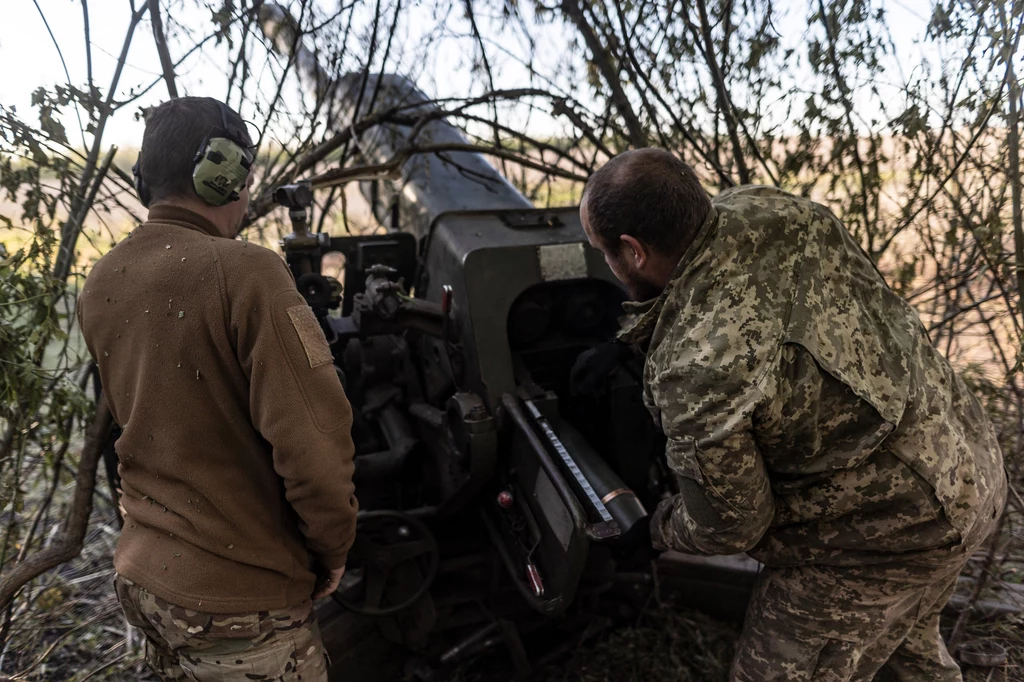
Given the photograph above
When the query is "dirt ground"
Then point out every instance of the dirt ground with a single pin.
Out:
(73, 631)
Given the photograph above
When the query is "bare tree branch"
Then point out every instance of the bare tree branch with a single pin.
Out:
(393, 166)
(1013, 169)
(73, 227)
(161, 47)
(603, 61)
(70, 229)
(724, 101)
(69, 545)
(60, 54)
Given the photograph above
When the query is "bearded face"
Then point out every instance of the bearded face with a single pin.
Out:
(622, 259)
(639, 288)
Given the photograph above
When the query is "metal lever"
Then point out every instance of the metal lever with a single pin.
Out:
(446, 299)
(446, 312)
(450, 348)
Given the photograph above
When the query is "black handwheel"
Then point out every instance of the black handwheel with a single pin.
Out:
(384, 541)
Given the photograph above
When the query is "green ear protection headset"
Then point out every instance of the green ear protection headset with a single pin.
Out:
(220, 167)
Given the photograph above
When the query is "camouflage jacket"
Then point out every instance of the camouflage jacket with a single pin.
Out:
(809, 419)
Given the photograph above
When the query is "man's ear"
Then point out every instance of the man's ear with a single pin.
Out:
(636, 248)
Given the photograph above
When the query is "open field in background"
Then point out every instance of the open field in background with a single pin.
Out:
(971, 349)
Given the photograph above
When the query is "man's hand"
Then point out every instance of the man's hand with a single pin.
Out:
(120, 504)
(593, 366)
(327, 582)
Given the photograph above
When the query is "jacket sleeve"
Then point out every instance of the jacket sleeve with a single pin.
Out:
(724, 504)
(295, 400)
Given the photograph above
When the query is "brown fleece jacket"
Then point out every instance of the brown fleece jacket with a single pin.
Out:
(236, 454)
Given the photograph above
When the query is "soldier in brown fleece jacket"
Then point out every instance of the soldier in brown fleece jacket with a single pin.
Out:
(236, 452)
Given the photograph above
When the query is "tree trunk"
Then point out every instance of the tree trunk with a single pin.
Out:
(69, 545)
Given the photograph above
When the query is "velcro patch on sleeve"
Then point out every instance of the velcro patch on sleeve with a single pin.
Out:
(312, 337)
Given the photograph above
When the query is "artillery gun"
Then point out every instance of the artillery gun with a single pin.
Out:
(488, 491)
(493, 500)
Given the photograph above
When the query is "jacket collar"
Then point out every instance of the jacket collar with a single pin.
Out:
(647, 313)
(177, 215)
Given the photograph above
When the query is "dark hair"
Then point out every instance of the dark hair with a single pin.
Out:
(648, 194)
(174, 132)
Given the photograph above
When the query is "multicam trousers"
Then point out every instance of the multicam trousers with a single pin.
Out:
(181, 644)
(843, 624)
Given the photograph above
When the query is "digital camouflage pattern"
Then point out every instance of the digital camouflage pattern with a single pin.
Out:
(844, 623)
(809, 419)
(181, 644)
(811, 423)
(840, 624)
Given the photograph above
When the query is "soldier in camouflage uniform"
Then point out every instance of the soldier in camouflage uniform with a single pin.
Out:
(810, 422)
(182, 644)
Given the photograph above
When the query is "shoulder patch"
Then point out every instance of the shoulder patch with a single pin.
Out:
(312, 337)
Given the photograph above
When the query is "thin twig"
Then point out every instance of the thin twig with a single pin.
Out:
(161, 47)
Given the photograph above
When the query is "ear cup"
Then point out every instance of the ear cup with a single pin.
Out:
(140, 185)
(222, 167)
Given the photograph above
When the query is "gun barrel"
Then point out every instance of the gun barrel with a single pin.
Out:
(430, 183)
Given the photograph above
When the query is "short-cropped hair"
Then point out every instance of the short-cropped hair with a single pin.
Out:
(174, 132)
(649, 195)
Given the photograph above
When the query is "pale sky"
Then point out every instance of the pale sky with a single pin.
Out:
(30, 59)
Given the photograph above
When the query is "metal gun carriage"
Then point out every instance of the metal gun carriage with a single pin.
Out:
(488, 489)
